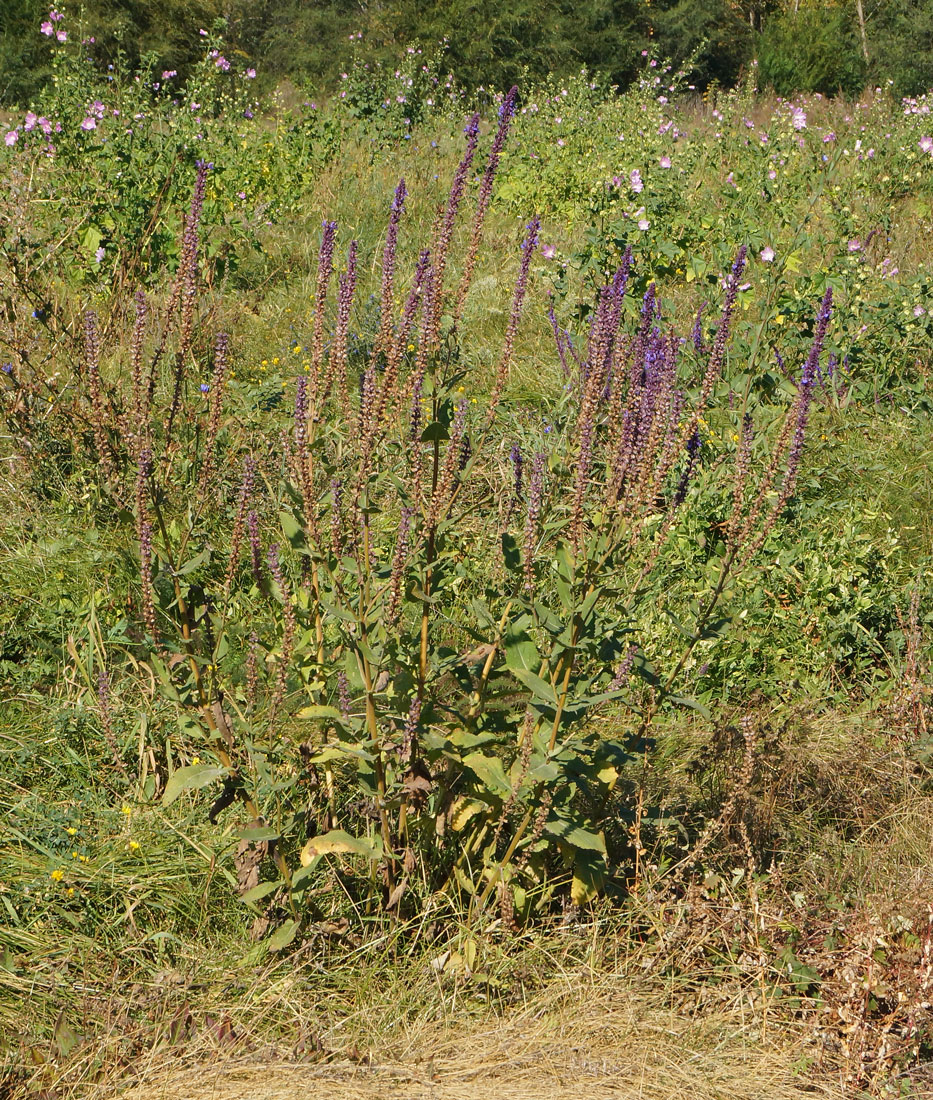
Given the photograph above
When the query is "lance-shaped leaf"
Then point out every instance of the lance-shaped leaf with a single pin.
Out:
(190, 779)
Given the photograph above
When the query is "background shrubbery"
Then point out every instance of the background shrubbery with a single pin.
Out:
(813, 46)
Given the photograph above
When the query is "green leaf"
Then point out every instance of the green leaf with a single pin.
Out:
(190, 779)
(293, 530)
(259, 892)
(576, 835)
(691, 704)
(520, 649)
(541, 689)
(256, 833)
(589, 877)
(510, 553)
(321, 712)
(490, 771)
(435, 432)
(283, 935)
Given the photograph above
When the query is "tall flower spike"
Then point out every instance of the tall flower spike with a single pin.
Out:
(239, 522)
(325, 267)
(218, 385)
(441, 245)
(339, 365)
(288, 634)
(718, 352)
(506, 112)
(187, 283)
(797, 417)
(384, 339)
(140, 402)
(255, 546)
(529, 244)
(445, 484)
(390, 381)
(399, 559)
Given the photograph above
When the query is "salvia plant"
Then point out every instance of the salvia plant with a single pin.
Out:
(392, 726)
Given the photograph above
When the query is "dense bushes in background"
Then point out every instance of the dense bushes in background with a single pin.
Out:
(803, 47)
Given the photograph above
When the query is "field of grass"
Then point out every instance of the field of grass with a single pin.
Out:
(468, 635)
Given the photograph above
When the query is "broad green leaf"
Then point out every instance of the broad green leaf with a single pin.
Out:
(541, 689)
(259, 892)
(462, 810)
(576, 835)
(489, 770)
(691, 704)
(283, 935)
(520, 650)
(191, 779)
(589, 877)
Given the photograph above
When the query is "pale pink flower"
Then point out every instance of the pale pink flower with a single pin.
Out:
(767, 254)
(12, 137)
(665, 162)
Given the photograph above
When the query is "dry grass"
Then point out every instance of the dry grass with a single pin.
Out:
(576, 1039)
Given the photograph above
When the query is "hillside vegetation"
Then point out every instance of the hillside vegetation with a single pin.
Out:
(456, 543)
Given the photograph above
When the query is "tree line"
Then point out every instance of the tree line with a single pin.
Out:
(827, 46)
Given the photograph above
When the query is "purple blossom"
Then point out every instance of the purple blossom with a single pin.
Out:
(62, 36)
(12, 137)
(46, 28)
(89, 123)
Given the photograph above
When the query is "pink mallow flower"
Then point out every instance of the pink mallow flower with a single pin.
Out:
(926, 144)
(855, 245)
(89, 123)
(549, 252)
(665, 162)
(635, 181)
(767, 254)
(12, 137)
(46, 28)
(30, 121)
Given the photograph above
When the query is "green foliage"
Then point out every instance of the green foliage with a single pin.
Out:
(453, 695)
(811, 50)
